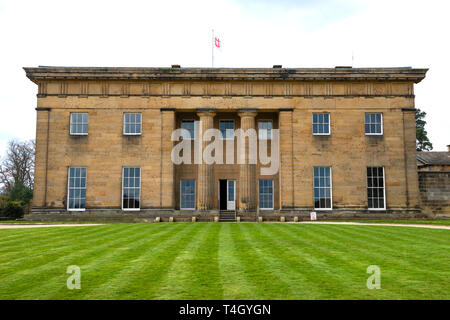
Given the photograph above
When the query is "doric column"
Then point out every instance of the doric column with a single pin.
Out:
(247, 171)
(205, 178)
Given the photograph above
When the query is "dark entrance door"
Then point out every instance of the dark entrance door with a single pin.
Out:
(223, 194)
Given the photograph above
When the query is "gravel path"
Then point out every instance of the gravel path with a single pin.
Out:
(25, 226)
(429, 226)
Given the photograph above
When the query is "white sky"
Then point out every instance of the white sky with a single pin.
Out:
(321, 33)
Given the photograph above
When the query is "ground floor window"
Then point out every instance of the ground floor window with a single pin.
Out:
(266, 194)
(375, 188)
(322, 188)
(131, 188)
(187, 194)
(76, 196)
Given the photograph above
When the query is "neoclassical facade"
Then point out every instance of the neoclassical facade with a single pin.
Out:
(341, 140)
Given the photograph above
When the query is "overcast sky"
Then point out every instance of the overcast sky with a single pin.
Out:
(320, 33)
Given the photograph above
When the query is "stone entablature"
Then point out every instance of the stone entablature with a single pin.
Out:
(225, 82)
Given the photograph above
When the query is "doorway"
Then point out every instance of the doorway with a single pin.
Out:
(227, 194)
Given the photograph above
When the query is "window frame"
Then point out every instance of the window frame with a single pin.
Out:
(234, 129)
(265, 120)
(181, 127)
(124, 124)
(331, 190)
(273, 195)
(381, 123)
(329, 124)
(140, 191)
(70, 124)
(68, 190)
(384, 191)
(195, 194)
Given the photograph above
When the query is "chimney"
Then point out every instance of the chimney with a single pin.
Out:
(277, 66)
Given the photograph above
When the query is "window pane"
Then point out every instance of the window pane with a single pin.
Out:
(188, 125)
(187, 194)
(375, 188)
(373, 123)
(321, 123)
(322, 187)
(76, 192)
(226, 129)
(266, 194)
(131, 188)
(78, 123)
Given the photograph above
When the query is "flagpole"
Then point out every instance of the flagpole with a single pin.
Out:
(212, 49)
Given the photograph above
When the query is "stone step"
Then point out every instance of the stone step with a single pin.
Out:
(227, 216)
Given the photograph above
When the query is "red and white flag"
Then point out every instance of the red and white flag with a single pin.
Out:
(217, 43)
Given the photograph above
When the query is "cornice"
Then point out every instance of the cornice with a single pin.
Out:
(222, 74)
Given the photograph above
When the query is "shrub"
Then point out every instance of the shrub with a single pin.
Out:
(21, 193)
(11, 209)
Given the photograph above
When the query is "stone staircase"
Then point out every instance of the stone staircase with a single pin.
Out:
(227, 216)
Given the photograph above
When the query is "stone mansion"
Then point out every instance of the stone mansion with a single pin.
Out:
(343, 139)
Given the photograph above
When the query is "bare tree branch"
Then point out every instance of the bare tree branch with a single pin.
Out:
(17, 167)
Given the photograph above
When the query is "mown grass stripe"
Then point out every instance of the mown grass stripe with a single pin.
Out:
(235, 282)
(287, 266)
(34, 254)
(143, 275)
(97, 271)
(56, 267)
(34, 235)
(190, 275)
(255, 270)
(401, 250)
(21, 248)
(392, 265)
(337, 277)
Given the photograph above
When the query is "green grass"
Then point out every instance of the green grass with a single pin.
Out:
(437, 221)
(225, 261)
(60, 222)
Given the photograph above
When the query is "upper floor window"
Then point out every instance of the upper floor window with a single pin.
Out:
(79, 123)
(226, 129)
(265, 130)
(132, 123)
(321, 124)
(189, 129)
(374, 123)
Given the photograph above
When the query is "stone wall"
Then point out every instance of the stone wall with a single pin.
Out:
(434, 189)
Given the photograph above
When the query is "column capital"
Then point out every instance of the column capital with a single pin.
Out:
(247, 112)
(206, 112)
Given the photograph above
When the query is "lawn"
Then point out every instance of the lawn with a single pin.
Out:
(225, 261)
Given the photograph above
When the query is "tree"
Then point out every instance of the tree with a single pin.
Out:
(422, 141)
(17, 167)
